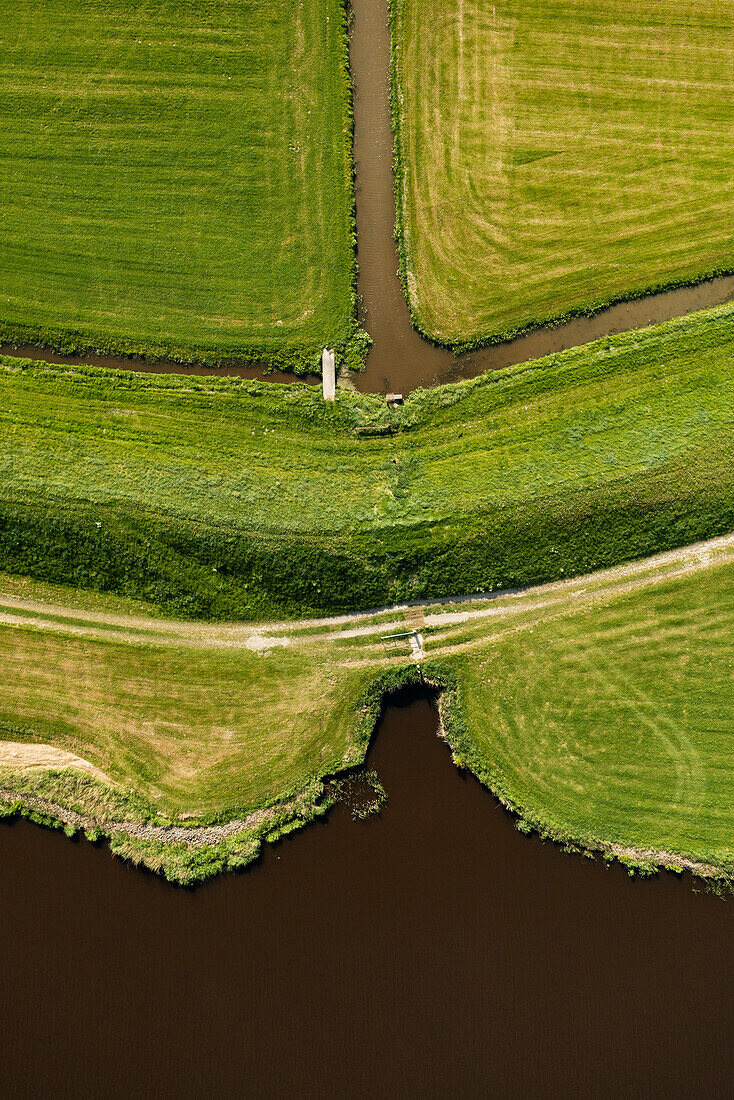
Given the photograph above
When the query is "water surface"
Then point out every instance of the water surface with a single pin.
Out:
(433, 952)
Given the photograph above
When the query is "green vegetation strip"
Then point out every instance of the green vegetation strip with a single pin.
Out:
(598, 709)
(554, 157)
(177, 179)
(225, 499)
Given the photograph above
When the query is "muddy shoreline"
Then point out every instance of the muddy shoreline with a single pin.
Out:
(199, 836)
(175, 833)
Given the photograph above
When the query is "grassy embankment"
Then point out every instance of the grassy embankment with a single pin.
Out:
(189, 730)
(224, 499)
(599, 709)
(177, 179)
(552, 158)
(613, 726)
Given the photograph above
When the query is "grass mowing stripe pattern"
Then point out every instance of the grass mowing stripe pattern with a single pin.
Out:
(614, 724)
(598, 708)
(178, 178)
(555, 157)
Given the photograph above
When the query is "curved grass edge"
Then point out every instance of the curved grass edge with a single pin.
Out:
(138, 556)
(187, 852)
(477, 341)
(180, 852)
(637, 861)
(191, 850)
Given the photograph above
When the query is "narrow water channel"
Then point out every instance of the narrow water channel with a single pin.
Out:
(434, 951)
(400, 360)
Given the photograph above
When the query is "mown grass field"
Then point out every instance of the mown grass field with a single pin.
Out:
(210, 730)
(177, 178)
(599, 709)
(614, 723)
(227, 499)
(555, 156)
(196, 729)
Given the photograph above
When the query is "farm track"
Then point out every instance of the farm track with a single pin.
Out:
(449, 627)
(445, 620)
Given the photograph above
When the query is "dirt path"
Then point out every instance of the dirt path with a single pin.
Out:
(438, 616)
(21, 755)
(444, 629)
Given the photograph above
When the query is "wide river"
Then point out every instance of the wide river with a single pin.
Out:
(433, 951)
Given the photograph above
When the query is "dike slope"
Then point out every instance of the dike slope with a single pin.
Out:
(597, 709)
(226, 499)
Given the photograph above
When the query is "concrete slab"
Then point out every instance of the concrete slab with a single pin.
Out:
(328, 374)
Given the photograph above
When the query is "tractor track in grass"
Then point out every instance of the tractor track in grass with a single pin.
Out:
(448, 626)
(438, 618)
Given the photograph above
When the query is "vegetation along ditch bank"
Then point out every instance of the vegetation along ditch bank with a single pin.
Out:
(239, 500)
(597, 709)
(179, 181)
(265, 307)
(154, 525)
(400, 360)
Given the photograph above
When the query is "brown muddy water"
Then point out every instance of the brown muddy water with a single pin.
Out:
(400, 360)
(433, 951)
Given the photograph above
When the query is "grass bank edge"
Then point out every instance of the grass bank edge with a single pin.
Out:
(639, 861)
(192, 861)
(181, 861)
(475, 341)
(141, 557)
(64, 799)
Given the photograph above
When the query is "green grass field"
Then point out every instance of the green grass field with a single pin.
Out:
(555, 155)
(196, 729)
(177, 178)
(614, 724)
(598, 708)
(230, 499)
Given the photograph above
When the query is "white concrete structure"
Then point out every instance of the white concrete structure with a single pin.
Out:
(328, 374)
